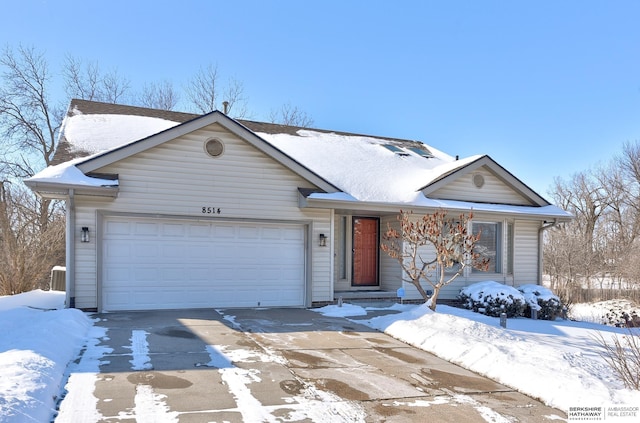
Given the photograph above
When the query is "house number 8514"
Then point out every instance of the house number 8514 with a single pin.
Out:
(210, 210)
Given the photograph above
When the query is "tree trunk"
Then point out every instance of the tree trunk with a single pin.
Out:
(416, 283)
(434, 297)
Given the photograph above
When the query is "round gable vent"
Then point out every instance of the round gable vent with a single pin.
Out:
(478, 180)
(214, 147)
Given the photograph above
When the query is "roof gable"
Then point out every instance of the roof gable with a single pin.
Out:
(101, 160)
(482, 180)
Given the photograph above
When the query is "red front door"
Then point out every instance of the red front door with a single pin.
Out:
(365, 251)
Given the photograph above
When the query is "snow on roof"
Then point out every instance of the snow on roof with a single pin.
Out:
(382, 175)
(362, 166)
(419, 200)
(93, 133)
(68, 174)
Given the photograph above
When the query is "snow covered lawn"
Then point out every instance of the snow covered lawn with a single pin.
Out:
(555, 361)
(38, 337)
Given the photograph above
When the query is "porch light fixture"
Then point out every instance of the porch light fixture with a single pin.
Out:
(323, 240)
(84, 237)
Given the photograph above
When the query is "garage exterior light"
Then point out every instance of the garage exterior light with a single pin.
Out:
(84, 237)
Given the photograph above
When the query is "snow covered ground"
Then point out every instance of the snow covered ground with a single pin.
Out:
(38, 338)
(557, 362)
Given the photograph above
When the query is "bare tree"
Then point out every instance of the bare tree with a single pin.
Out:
(622, 355)
(602, 244)
(291, 116)
(449, 245)
(28, 121)
(29, 125)
(89, 82)
(27, 251)
(206, 93)
(159, 96)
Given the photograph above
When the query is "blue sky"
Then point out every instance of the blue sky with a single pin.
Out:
(546, 88)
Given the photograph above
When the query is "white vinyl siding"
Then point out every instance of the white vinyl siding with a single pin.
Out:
(525, 266)
(178, 178)
(391, 274)
(494, 190)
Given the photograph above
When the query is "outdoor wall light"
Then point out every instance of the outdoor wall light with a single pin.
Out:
(84, 237)
(323, 240)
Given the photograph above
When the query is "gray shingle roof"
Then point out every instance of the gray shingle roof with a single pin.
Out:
(66, 151)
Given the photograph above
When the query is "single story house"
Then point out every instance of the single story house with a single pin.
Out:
(169, 210)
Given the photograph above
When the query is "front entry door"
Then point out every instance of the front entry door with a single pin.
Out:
(365, 251)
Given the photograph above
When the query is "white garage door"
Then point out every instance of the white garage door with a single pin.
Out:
(168, 264)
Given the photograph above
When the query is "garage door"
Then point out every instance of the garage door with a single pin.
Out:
(168, 264)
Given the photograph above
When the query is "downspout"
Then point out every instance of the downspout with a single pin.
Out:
(70, 262)
(541, 230)
(332, 237)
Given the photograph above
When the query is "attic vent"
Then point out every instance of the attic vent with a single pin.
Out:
(394, 149)
(214, 147)
(424, 152)
(478, 180)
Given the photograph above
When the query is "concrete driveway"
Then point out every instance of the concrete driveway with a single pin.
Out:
(276, 365)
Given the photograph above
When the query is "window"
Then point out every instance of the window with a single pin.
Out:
(395, 149)
(424, 152)
(489, 245)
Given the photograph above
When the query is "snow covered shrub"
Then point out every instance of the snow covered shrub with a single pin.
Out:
(492, 298)
(619, 317)
(541, 299)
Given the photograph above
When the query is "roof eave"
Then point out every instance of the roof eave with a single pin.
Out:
(384, 208)
(57, 191)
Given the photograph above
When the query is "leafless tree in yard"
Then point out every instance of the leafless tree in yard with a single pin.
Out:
(88, 82)
(291, 116)
(603, 242)
(159, 96)
(206, 93)
(29, 124)
(27, 251)
(428, 246)
(622, 354)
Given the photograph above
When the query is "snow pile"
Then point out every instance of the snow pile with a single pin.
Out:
(38, 338)
(558, 361)
(346, 310)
